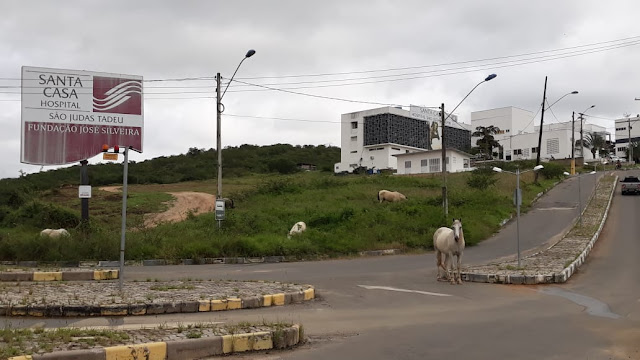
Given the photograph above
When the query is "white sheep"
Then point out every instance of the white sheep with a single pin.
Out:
(54, 234)
(297, 228)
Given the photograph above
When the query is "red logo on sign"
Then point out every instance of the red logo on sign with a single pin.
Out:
(116, 95)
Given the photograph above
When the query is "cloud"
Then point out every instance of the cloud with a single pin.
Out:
(166, 39)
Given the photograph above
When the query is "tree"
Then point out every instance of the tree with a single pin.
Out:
(636, 150)
(594, 142)
(486, 142)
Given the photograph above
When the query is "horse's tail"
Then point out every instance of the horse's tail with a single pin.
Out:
(378, 196)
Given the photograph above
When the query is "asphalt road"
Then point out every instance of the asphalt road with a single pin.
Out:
(393, 308)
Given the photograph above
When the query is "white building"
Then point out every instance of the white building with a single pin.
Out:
(372, 138)
(519, 139)
(424, 162)
(622, 135)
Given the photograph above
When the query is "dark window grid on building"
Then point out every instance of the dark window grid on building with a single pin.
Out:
(407, 164)
(517, 151)
(397, 129)
(391, 128)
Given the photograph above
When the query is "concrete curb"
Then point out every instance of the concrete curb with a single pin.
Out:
(96, 275)
(207, 305)
(561, 277)
(184, 349)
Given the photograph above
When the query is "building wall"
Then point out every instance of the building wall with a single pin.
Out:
(425, 162)
(370, 138)
(622, 135)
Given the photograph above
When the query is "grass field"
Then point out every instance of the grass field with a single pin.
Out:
(342, 214)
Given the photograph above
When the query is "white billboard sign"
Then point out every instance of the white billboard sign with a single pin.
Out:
(67, 115)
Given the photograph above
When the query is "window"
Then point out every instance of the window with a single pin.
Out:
(534, 150)
(621, 128)
(525, 153)
(407, 164)
(622, 149)
(454, 159)
(424, 163)
(508, 157)
(434, 165)
(354, 138)
(508, 130)
(465, 163)
(553, 146)
(446, 160)
(354, 151)
(354, 124)
(517, 151)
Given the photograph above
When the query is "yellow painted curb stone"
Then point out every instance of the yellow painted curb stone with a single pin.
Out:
(148, 351)
(47, 276)
(246, 342)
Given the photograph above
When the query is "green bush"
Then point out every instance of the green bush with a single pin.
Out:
(40, 215)
(552, 171)
(482, 178)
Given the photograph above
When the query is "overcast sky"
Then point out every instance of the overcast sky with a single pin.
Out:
(591, 46)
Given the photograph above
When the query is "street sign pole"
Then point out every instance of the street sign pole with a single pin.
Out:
(124, 215)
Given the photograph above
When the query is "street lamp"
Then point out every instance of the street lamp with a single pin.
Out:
(219, 110)
(517, 198)
(445, 202)
(544, 99)
(579, 194)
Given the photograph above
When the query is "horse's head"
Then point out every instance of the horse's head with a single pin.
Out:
(457, 228)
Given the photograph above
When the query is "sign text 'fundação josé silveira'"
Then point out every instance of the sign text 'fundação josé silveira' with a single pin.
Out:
(67, 115)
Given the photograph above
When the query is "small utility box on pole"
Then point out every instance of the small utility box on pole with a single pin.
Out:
(517, 197)
(219, 210)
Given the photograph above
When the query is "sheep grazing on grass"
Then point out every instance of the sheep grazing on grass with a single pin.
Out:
(297, 228)
(390, 196)
(54, 233)
(228, 203)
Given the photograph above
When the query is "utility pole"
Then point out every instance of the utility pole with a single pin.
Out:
(573, 143)
(630, 146)
(445, 202)
(581, 139)
(218, 135)
(544, 97)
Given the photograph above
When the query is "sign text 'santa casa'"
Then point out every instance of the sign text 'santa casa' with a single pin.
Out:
(67, 115)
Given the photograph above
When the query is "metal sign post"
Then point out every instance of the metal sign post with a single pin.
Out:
(124, 214)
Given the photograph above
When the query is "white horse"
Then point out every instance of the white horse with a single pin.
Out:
(450, 243)
(297, 228)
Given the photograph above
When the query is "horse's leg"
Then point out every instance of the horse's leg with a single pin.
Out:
(438, 263)
(449, 265)
(459, 274)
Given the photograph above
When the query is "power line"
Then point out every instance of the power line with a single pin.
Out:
(320, 96)
(283, 119)
(443, 64)
(620, 43)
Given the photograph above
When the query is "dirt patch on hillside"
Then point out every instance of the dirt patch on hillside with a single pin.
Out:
(184, 202)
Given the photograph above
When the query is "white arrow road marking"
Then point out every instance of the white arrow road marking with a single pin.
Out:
(401, 290)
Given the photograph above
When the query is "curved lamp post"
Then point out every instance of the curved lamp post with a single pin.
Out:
(219, 110)
(579, 193)
(544, 99)
(445, 202)
(517, 198)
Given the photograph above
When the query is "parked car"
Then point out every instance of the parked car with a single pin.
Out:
(630, 185)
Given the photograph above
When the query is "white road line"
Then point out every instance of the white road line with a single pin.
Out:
(401, 290)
